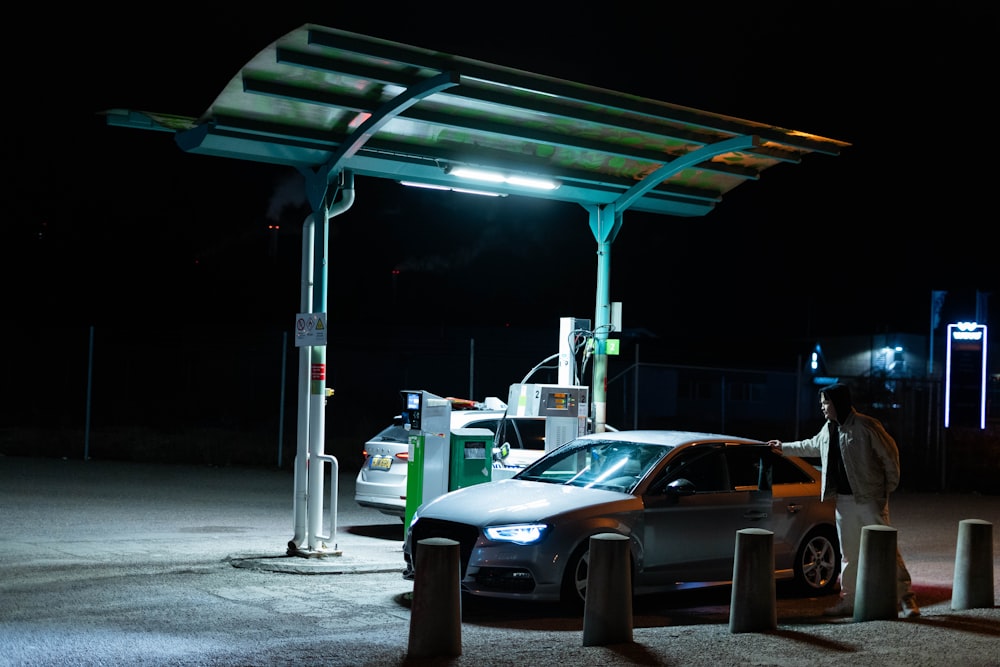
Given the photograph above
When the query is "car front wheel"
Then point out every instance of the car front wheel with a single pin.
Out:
(817, 562)
(574, 586)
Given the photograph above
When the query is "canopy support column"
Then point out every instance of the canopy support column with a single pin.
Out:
(605, 221)
(310, 451)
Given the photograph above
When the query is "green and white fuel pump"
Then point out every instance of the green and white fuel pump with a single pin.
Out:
(441, 460)
(429, 419)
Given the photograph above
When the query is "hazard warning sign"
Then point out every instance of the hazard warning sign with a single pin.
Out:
(310, 329)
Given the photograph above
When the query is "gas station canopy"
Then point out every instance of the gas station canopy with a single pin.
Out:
(334, 104)
(326, 101)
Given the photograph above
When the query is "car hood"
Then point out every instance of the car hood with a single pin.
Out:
(515, 500)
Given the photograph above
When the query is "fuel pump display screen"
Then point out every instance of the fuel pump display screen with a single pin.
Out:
(414, 406)
(560, 401)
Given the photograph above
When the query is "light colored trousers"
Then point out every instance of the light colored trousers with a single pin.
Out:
(852, 517)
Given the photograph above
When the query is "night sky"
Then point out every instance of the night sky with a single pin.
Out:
(106, 221)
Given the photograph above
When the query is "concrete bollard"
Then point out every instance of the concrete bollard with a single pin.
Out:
(436, 610)
(876, 597)
(607, 610)
(754, 605)
(973, 586)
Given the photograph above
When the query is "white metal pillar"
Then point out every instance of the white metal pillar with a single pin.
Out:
(311, 441)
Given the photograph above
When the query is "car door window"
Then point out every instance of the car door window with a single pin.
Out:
(784, 471)
(705, 468)
(748, 468)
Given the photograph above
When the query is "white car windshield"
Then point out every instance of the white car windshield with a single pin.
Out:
(606, 464)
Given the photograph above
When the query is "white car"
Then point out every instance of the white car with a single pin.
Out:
(381, 482)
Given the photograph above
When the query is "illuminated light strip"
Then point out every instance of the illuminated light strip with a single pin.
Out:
(947, 379)
(529, 182)
(477, 174)
(965, 331)
(982, 389)
(498, 177)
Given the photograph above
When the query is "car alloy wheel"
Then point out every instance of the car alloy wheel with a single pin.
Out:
(574, 589)
(818, 562)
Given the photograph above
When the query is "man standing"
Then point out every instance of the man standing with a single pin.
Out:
(860, 468)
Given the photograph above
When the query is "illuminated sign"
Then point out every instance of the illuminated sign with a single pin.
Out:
(965, 375)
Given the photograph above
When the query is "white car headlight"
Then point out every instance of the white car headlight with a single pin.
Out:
(519, 533)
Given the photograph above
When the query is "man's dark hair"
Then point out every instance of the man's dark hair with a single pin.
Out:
(840, 395)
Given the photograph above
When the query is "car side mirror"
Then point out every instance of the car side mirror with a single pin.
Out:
(680, 487)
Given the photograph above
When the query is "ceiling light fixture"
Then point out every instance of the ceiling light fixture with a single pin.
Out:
(476, 174)
(535, 182)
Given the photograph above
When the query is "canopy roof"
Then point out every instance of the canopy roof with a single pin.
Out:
(324, 100)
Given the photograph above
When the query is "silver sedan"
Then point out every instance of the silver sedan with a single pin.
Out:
(679, 496)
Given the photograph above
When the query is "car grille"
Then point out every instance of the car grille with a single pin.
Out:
(464, 534)
(503, 579)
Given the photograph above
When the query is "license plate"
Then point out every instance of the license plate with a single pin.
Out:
(381, 462)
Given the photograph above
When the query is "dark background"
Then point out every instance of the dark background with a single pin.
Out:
(169, 260)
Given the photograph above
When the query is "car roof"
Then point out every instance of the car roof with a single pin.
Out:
(460, 417)
(664, 437)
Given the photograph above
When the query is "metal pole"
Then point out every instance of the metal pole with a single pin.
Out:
(301, 462)
(315, 482)
(722, 402)
(930, 348)
(281, 407)
(798, 394)
(602, 321)
(605, 221)
(90, 376)
(635, 391)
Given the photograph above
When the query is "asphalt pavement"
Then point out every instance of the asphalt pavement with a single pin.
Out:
(115, 563)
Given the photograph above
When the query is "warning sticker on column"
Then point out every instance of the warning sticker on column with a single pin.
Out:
(310, 329)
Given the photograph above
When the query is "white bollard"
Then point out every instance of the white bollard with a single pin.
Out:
(973, 586)
(607, 610)
(754, 606)
(875, 599)
(436, 610)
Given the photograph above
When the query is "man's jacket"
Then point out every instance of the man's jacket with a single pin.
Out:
(870, 456)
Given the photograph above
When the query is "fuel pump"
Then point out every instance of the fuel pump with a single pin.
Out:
(428, 418)
(564, 407)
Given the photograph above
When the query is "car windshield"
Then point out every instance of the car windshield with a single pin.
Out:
(607, 464)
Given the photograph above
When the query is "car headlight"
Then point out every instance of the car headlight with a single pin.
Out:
(519, 533)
